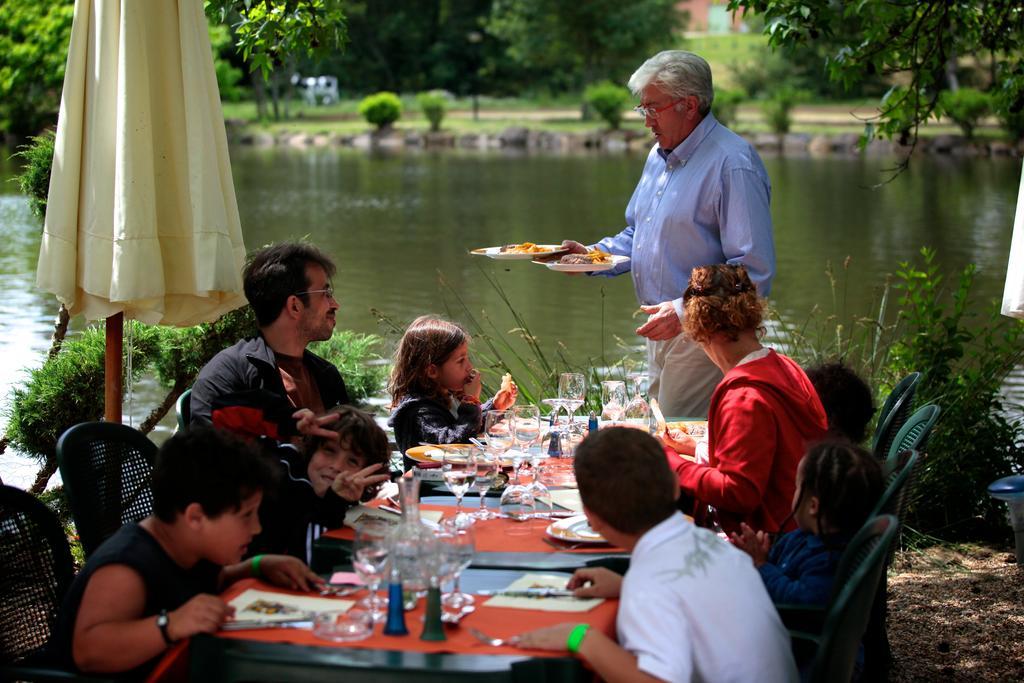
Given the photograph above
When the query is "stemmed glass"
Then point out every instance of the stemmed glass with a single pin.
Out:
(487, 468)
(526, 431)
(637, 412)
(613, 400)
(457, 543)
(572, 389)
(459, 472)
(371, 552)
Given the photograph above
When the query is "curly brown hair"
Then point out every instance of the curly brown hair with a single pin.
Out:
(429, 340)
(721, 299)
(358, 432)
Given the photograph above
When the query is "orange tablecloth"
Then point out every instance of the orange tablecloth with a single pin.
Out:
(497, 622)
(501, 535)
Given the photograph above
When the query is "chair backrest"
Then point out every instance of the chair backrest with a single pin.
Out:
(900, 470)
(913, 435)
(35, 573)
(849, 610)
(897, 407)
(106, 468)
(183, 408)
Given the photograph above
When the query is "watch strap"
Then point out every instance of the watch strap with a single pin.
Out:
(161, 621)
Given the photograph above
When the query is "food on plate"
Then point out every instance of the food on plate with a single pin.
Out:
(592, 256)
(524, 248)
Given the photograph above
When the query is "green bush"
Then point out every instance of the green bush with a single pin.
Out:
(357, 360)
(185, 350)
(1011, 119)
(966, 107)
(68, 388)
(381, 109)
(726, 105)
(608, 100)
(778, 108)
(433, 105)
(34, 180)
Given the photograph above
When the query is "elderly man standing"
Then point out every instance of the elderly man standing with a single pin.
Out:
(254, 387)
(703, 199)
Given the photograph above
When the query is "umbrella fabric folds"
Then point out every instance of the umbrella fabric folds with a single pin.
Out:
(141, 217)
(1013, 291)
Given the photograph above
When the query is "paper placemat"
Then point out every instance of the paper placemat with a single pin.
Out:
(362, 512)
(544, 604)
(268, 607)
(568, 498)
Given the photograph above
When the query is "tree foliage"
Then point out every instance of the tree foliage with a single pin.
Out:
(433, 105)
(917, 42)
(608, 100)
(381, 109)
(34, 37)
(583, 42)
(34, 179)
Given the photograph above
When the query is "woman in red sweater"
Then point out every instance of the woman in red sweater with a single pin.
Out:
(764, 413)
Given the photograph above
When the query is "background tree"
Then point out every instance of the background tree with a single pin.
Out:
(34, 37)
(916, 42)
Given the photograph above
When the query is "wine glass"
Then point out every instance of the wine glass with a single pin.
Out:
(459, 472)
(613, 400)
(457, 543)
(572, 389)
(637, 412)
(517, 504)
(487, 468)
(371, 551)
(526, 431)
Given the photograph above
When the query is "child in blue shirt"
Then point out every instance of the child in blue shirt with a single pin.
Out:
(838, 484)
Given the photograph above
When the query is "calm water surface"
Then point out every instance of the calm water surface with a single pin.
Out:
(394, 222)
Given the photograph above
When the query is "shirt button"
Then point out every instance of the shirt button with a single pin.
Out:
(659, 193)
(648, 219)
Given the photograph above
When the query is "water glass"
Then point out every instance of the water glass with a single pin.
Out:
(498, 428)
(371, 551)
(613, 400)
(638, 412)
(517, 504)
(527, 430)
(459, 472)
(458, 547)
(572, 389)
(487, 468)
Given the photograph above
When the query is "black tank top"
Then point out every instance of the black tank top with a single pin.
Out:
(168, 586)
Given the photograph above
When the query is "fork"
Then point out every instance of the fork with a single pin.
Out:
(488, 640)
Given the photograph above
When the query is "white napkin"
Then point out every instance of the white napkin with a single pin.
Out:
(543, 604)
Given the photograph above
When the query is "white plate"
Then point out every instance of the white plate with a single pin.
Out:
(584, 267)
(497, 253)
(575, 530)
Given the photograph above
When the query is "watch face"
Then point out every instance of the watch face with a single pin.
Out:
(161, 620)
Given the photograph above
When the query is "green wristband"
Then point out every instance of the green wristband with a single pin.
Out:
(256, 566)
(576, 637)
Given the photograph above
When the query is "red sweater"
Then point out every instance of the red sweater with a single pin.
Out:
(763, 415)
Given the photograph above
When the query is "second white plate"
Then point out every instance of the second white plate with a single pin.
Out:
(584, 267)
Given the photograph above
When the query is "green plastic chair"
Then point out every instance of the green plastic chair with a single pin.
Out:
(106, 468)
(913, 435)
(183, 409)
(849, 611)
(895, 411)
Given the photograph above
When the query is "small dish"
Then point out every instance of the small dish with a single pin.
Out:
(343, 627)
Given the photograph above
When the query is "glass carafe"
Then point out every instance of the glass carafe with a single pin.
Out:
(411, 538)
(637, 412)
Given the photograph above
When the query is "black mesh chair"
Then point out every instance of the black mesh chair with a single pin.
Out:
(35, 573)
(106, 468)
(895, 411)
(913, 435)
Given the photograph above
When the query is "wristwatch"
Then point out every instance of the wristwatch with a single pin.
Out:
(161, 622)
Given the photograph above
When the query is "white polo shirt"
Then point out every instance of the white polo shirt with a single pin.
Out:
(693, 608)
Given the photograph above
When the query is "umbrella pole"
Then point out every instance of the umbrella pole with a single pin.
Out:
(112, 381)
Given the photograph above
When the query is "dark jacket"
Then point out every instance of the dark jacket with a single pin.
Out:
(249, 368)
(291, 513)
(801, 568)
(419, 419)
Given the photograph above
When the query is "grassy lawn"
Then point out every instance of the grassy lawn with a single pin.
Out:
(724, 51)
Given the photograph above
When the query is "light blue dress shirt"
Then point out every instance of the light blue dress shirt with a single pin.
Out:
(705, 202)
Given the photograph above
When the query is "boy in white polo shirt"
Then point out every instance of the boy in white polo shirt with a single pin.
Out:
(692, 607)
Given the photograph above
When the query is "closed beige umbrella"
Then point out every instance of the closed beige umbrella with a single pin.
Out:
(1013, 291)
(141, 217)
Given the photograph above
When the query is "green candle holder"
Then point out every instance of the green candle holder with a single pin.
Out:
(433, 629)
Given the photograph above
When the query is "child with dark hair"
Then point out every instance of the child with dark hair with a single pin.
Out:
(689, 601)
(847, 400)
(838, 484)
(343, 459)
(435, 392)
(156, 582)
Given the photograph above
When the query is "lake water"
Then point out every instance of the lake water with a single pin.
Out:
(393, 222)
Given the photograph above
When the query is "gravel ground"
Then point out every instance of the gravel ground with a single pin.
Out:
(957, 614)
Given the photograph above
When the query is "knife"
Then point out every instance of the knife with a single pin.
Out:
(530, 593)
(300, 622)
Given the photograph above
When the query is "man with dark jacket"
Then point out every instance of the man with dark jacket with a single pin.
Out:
(253, 387)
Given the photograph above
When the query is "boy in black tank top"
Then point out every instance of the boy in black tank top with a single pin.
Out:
(156, 582)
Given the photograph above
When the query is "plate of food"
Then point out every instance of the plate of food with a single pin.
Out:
(436, 453)
(594, 261)
(574, 530)
(520, 252)
(698, 429)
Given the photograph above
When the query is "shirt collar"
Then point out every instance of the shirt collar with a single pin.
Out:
(674, 525)
(685, 149)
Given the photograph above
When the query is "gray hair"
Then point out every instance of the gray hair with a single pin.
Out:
(679, 74)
